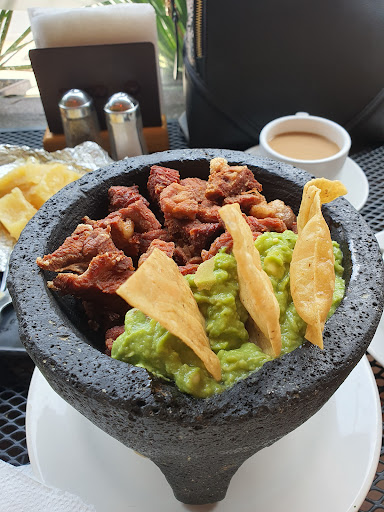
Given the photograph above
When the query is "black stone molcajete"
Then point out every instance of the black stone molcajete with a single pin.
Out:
(197, 443)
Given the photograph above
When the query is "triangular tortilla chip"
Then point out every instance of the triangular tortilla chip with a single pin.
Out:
(312, 272)
(329, 190)
(256, 291)
(159, 290)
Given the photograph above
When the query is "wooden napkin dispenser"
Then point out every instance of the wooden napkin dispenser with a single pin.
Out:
(100, 70)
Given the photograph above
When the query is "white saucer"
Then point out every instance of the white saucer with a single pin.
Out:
(353, 177)
(376, 347)
(326, 464)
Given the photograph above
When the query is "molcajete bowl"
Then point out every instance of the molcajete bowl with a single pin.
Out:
(197, 443)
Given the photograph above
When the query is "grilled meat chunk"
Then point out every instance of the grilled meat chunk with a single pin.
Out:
(276, 208)
(167, 247)
(159, 179)
(226, 181)
(121, 197)
(179, 202)
(77, 250)
(105, 273)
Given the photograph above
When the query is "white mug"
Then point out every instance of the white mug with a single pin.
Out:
(302, 122)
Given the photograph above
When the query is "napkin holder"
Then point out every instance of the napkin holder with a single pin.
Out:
(100, 70)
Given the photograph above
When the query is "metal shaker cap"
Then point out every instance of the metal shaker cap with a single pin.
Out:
(75, 104)
(121, 108)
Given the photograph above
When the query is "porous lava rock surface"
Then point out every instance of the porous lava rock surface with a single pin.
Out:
(197, 443)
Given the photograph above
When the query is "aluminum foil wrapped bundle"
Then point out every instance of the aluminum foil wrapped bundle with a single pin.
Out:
(81, 159)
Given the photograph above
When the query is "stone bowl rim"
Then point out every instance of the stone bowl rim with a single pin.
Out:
(39, 338)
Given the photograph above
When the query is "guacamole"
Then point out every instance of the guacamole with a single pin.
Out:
(147, 344)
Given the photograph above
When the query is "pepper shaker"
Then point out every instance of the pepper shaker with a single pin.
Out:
(125, 126)
(79, 118)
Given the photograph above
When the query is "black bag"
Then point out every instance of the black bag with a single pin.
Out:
(247, 62)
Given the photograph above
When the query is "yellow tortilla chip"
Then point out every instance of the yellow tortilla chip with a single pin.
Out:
(256, 291)
(158, 289)
(15, 212)
(23, 176)
(329, 190)
(312, 272)
(57, 176)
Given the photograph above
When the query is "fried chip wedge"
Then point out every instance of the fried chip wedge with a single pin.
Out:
(329, 190)
(15, 212)
(57, 176)
(312, 272)
(159, 290)
(256, 291)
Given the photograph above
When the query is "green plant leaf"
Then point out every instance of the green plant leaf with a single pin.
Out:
(17, 46)
(11, 53)
(24, 67)
(5, 28)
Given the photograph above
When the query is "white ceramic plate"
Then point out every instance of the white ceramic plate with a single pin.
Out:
(327, 464)
(376, 347)
(353, 177)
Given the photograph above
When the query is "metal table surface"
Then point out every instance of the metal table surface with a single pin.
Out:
(16, 368)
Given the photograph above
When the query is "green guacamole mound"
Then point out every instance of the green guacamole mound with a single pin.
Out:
(147, 344)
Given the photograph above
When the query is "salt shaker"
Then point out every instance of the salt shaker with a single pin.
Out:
(125, 126)
(79, 118)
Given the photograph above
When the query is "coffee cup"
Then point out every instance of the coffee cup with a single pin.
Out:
(315, 144)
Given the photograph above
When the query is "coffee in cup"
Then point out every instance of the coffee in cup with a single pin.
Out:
(315, 144)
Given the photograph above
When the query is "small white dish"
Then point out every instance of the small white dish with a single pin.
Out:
(351, 175)
(376, 347)
(326, 464)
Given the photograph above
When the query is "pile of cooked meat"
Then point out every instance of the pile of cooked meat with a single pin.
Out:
(182, 220)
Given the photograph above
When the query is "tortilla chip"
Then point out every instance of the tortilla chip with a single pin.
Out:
(256, 291)
(158, 289)
(329, 190)
(15, 212)
(312, 271)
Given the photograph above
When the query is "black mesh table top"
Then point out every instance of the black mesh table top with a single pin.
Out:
(16, 367)
(372, 163)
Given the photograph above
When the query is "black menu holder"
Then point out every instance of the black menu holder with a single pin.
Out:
(100, 70)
